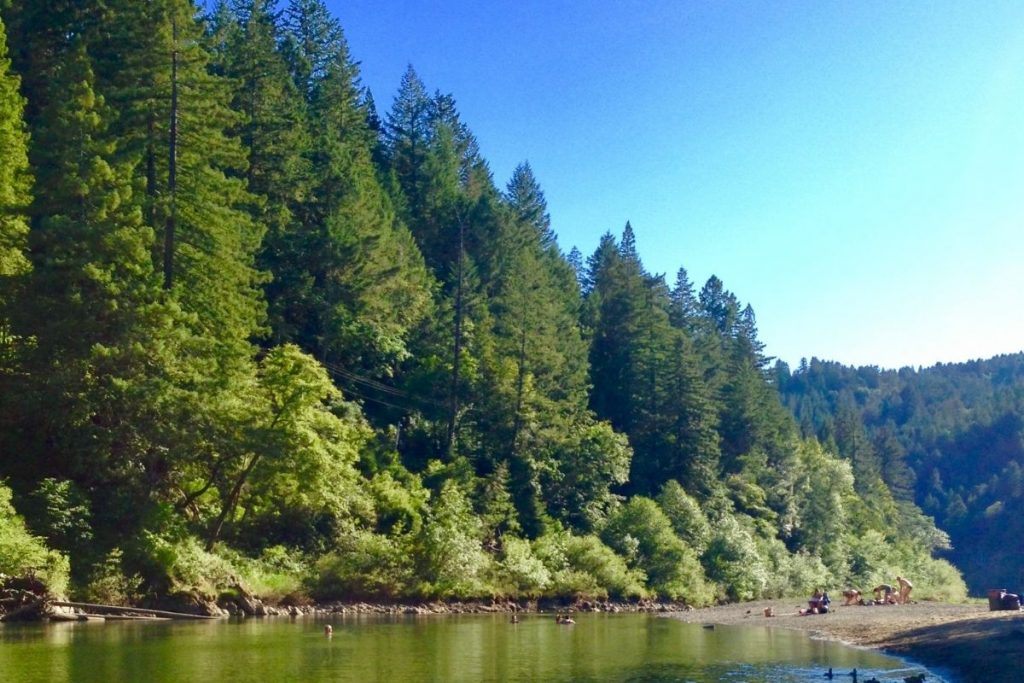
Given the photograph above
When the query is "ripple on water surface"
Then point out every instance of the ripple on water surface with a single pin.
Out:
(599, 647)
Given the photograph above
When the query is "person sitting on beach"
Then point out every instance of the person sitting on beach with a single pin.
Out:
(883, 593)
(905, 588)
(852, 596)
(819, 602)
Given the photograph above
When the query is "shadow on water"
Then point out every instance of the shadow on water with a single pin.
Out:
(458, 648)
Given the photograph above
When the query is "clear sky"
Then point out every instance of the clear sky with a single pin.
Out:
(854, 170)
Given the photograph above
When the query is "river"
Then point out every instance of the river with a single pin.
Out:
(599, 647)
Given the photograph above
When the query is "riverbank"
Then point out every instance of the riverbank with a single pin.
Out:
(967, 642)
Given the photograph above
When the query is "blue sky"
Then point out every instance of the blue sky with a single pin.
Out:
(854, 170)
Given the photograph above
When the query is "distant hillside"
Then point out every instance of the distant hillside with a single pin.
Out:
(949, 437)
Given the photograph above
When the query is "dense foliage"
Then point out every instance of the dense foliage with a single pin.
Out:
(949, 438)
(251, 328)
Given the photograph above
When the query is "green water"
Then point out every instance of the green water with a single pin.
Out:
(464, 648)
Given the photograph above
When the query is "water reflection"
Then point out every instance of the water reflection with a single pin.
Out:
(461, 648)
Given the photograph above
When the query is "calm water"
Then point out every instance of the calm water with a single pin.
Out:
(465, 648)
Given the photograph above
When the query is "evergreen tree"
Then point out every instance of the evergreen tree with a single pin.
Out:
(15, 181)
(174, 123)
(94, 390)
(685, 307)
(313, 42)
(407, 135)
(275, 138)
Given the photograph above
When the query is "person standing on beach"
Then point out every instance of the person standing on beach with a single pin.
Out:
(905, 588)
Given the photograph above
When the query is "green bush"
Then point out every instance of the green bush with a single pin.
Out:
(642, 533)
(520, 571)
(937, 580)
(108, 583)
(23, 554)
(449, 552)
(807, 572)
(576, 562)
(174, 564)
(683, 511)
(277, 573)
(588, 555)
(364, 565)
(733, 561)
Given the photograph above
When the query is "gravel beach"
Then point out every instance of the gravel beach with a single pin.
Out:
(966, 642)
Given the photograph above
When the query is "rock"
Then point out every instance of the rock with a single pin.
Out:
(187, 602)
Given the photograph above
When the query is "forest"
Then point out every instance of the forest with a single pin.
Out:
(253, 328)
(950, 437)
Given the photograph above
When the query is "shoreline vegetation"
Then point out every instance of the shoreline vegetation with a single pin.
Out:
(315, 349)
(964, 643)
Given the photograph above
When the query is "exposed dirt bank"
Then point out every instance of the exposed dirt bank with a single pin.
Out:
(968, 642)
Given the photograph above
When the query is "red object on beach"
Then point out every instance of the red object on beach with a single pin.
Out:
(995, 599)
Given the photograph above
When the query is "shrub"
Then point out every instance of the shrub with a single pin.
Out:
(21, 553)
(584, 567)
(450, 555)
(937, 580)
(640, 531)
(520, 570)
(588, 555)
(733, 561)
(807, 572)
(108, 583)
(173, 564)
(683, 511)
(278, 571)
(364, 565)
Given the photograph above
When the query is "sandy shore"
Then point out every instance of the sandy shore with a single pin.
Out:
(967, 643)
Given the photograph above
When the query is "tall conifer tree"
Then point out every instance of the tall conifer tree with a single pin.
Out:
(15, 182)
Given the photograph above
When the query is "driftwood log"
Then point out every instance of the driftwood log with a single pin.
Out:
(98, 610)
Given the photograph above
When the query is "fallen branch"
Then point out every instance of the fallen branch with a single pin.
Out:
(134, 610)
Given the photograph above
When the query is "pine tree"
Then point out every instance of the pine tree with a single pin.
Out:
(526, 198)
(407, 135)
(277, 144)
(154, 66)
(105, 340)
(313, 42)
(352, 283)
(685, 307)
(15, 182)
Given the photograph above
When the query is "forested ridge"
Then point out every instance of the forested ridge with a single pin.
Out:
(251, 327)
(948, 437)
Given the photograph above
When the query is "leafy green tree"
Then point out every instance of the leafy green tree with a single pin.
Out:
(684, 512)
(825, 493)
(450, 555)
(592, 460)
(643, 534)
(292, 452)
(733, 561)
(22, 554)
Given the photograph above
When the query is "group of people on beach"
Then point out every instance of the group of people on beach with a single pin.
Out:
(885, 594)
